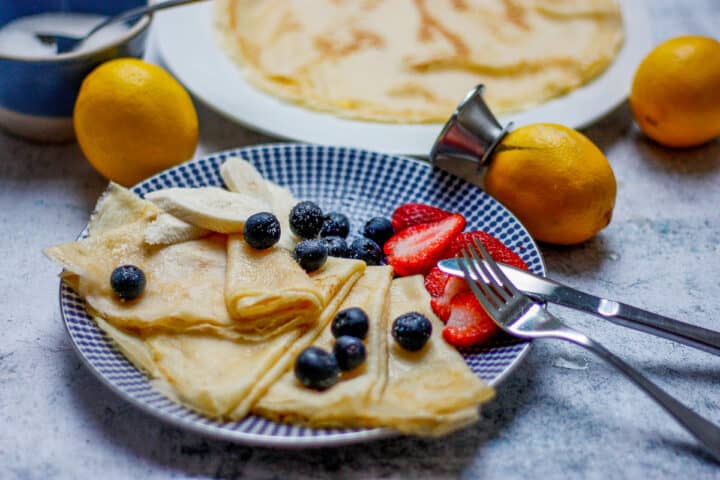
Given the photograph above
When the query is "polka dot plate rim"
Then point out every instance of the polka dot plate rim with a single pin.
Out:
(362, 184)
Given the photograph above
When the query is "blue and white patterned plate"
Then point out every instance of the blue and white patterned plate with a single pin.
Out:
(361, 184)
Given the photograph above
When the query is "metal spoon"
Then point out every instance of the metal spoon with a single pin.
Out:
(68, 43)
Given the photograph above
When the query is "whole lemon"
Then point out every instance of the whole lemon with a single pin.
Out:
(555, 180)
(133, 119)
(675, 96)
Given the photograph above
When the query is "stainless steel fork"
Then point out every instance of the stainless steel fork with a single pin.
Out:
(515, 313)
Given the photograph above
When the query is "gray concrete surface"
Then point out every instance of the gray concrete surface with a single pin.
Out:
(563, 414)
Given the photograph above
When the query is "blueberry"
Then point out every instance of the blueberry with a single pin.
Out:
(310, 254)
(317, 369)
(306, 219)
(262, 230)
(379, 229)
(336, 246)
(335, 225)
(350, 322)
(367, 250)
(411, 330)
(128, 282)
(349, 352)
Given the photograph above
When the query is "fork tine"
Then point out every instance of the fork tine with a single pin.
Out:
(497, 273)
(487, 289)
(492, 282)
(489, 308)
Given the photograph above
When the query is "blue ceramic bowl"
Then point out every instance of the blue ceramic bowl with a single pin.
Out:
(37, 94)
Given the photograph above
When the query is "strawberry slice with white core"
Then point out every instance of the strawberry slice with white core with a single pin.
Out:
(468, 324)
(442, 288)
(418, 248)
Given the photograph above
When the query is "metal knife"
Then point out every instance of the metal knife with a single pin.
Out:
(548, 290)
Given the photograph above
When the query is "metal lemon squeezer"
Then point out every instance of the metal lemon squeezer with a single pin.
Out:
(468, 139)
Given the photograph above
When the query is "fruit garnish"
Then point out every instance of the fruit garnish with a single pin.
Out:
(352, 322)
(557, 182)
(468, 323)
(411, 331)
(335, 224)
(367, 250)
(349, 352)
(336, 247)
(497, 250)
(317, 369)
(262, 230)
(306, 219)
(412, 214)
(310, 254)
(128, 282)
(417, 249)
(378, 229)
(435, 282)
(212, 208)
(443, 288)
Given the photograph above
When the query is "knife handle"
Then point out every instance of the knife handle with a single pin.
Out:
(648, 322)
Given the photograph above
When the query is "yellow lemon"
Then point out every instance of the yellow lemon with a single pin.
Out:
(675, 96)
(133, 119)
(555, 180)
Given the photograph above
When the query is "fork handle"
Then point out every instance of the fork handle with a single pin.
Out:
(707, 433)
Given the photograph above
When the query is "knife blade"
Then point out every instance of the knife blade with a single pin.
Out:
(544, 289)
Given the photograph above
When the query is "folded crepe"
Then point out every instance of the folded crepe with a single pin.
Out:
(342, 405)
(225, 378)
(118, 206)
(266, 291)
(431, 391)
(186, 282)
(132, 345)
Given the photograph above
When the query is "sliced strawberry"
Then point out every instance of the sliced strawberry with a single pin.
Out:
(412, 214)
(442, 288)
(417, 249)
(435, 282)
(468, 324)
(497, 250)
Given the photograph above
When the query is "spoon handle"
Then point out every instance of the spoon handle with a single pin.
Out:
(136, 12)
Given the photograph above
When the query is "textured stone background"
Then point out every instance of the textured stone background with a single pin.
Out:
(562, 414)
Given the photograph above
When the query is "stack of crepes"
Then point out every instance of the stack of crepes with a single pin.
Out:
(411, 61)
(219, 324)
